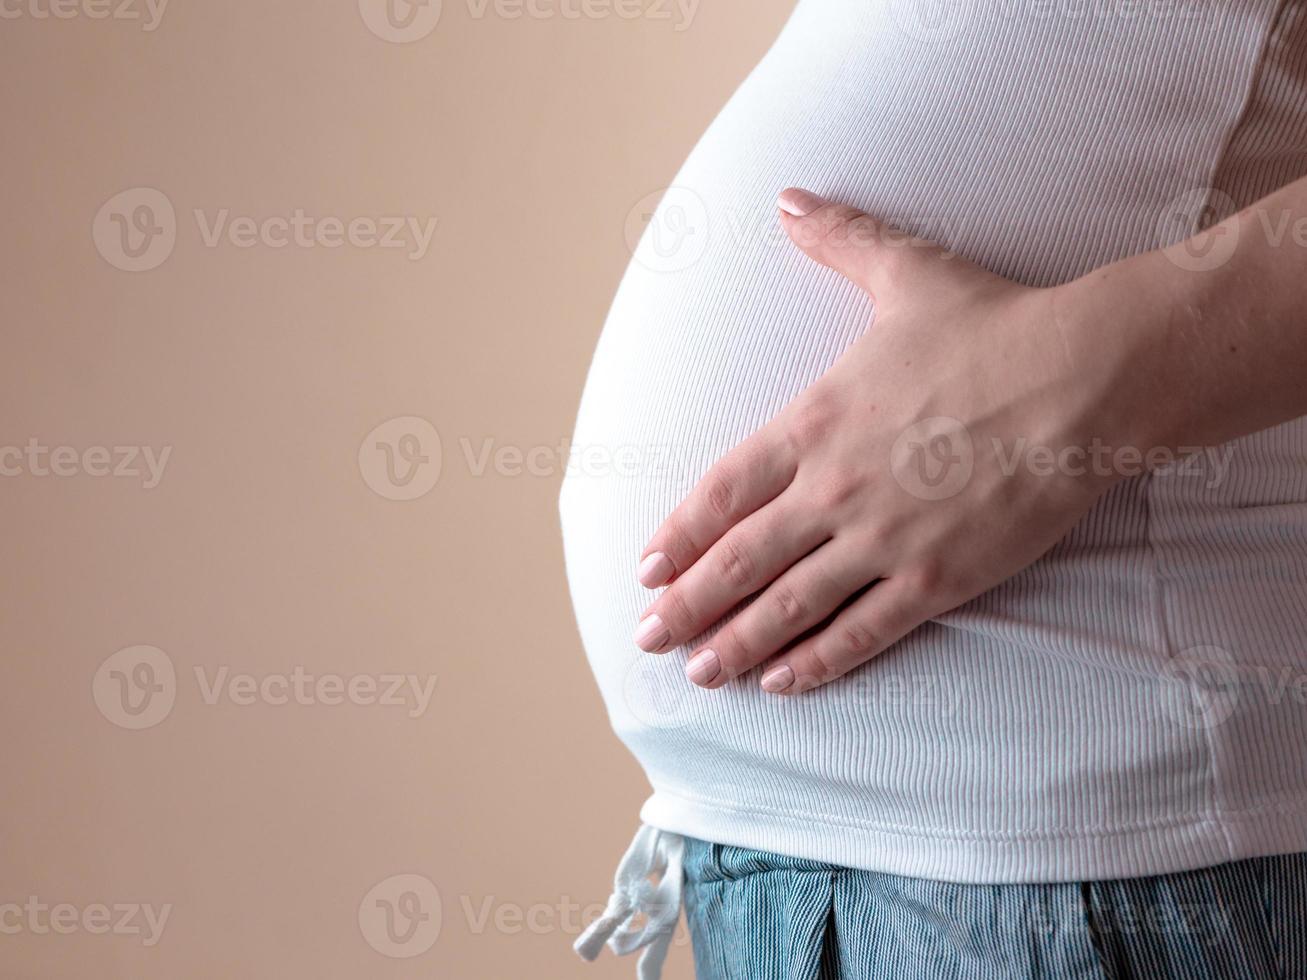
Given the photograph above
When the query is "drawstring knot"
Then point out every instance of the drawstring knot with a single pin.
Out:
(653, 852)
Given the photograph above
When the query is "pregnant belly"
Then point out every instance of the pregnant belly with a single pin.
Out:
(719, 322)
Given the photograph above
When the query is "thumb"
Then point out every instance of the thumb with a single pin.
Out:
(878, 257)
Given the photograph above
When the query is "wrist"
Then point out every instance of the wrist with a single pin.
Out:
(1117, 328)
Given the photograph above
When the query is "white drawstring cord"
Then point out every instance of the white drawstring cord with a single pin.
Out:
(653, 852)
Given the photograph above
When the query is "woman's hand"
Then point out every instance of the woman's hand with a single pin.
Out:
(941, 454)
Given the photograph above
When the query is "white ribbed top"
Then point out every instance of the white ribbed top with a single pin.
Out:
(1055, 728)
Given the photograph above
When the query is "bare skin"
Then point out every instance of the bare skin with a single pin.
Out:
(827, 514)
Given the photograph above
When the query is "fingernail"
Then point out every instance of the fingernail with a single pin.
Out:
(651, 634)
(778, 679)
(655, 570)
(703, 667)
(798, 202)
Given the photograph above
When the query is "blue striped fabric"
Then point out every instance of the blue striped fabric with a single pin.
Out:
(760, 916)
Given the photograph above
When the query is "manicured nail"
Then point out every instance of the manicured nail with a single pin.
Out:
(798, 202)
(655, 570)
(778, 679)
(703, 667)
(651, 634)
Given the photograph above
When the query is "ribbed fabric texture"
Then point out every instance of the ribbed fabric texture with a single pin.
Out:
(1062, 726)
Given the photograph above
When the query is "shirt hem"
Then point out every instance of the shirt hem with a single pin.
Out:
(1166, 846)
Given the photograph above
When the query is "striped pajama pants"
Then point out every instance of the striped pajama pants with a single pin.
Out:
(759, 916)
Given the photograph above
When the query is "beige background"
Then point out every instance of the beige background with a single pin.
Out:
(264, 547)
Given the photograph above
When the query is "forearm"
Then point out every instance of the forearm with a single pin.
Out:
(1174, 356)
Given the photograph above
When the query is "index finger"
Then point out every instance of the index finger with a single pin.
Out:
(751, 475)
